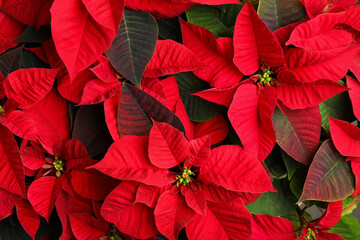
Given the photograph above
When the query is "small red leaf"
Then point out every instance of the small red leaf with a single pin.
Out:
(268, 227)
(148, 194)
(28, 218)
(20, 124)
(332, 215)
(254, 43)
(84, 226)
(167, 145)
(172, 214)
(346, 137)
(354, 94)
(110, 110)
(96, 91)
(28, 86)
(200, 150)
(7, 202)
(32, 158)
(217, 128)
(196, 200)
(10, 29)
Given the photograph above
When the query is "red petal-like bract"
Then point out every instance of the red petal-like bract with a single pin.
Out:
(354, 94)
(228, 221)
(85, 226)
(33, 158)
(171, 57)
(10, 29)
(28, 86)
(28, 218)
(7, 202)
(222, 96)
(268, 227)
(167, 145)
(329, 236)
(134, 219)
(127, 159)
(149, 194)
(200, 150)
(172, 214)
(34, 13)
(96, 91)
(254, 43)
(78, 38)
(331, 64)
(332, 215)
(346, 137)
(296, 94)
(20, 124)
(107, 13)
(232, 168)
(11, 166)
(314, 8)
(196, 200)
(43, 193)
(251, 116)
(298, 132)
(220, 71)
(217, 128)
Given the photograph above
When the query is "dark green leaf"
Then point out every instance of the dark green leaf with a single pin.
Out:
(137, 108)
(348, 227)
(10, 60)
(31, 35)
(298, 180)
(279, 13)
(30, 60)
(169, 29)
(275, 164)
(198, 109)
(133, 47)
(290, 163)
(274, 204)
(330, 177)
(294, 218)
(90, 129)
(220, 20)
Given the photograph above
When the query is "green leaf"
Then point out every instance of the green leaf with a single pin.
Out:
(169, 29)
(31, 35)
(10, 60)
(30, 60)
(274, 204)
(348, 227)
(275, 165)
(220, 20)
(349, 204)
(90, 129)
(133, 47)
(294, 218)
(279, 13)
(137, 109)
(298, 180)
(338, 107)
(290, 164)
(198, 109)
(330, 177)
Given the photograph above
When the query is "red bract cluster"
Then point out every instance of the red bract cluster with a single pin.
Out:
(169, 119)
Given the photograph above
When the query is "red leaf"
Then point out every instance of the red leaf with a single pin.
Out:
(250, 114)
(332, 215)
(308, 66)
(110, 110)
(28, 86)
(28, 218)
(107, 13)
(105, 72)
(314, 8)
(217, 128)
(167, 145)
(217, 194)
(10, 29)
(227, 221)
(136, 219)
(354, 94)
(32, 158)
(172, 214)
(254, 43)
(232, 168)
(96, 91)
(52, 120)
(75, 155)
(355, 66)
(296, 94)
(20, 124)
(34, 13)
(92, 185)
(78, 38)
(85, 226)
(148, 194)
(329, 236)
(7, 202)
(43, 193)
(171, 57)
(355, 167)
(220, 71)
(319, 33)
(329, 177)
(127, 159)
(298, 132)
(196, 200)
(346, 137)
(282, 35)
(200, 150)
(268, 227)
(171, 93)
(11, 166)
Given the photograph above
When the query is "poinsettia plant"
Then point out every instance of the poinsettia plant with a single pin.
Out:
(169, 119)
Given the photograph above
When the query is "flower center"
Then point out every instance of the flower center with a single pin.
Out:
(265, 77)
(2, 111)
(311, 234)
(59, 165)
(185, 177)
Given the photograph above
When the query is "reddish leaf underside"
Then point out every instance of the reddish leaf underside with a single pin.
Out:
(329, 178)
